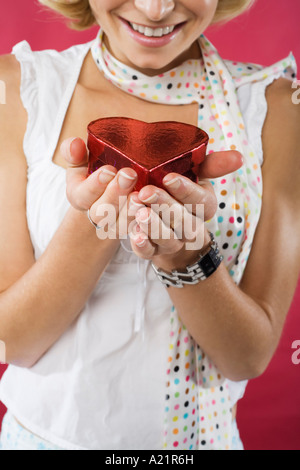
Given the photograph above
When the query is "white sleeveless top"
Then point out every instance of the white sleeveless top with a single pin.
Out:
(89, 390)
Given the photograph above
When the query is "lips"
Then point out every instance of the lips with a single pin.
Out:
(152, 149)
(151, 41)
(156, 31)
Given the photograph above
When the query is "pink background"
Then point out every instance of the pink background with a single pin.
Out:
(269, 415)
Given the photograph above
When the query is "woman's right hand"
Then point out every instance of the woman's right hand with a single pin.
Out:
(106, 188)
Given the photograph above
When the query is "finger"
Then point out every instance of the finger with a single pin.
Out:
(83, 191)
(198, 198)
(163, 204)
(171, 226)
(134, 204)
(172, 212)
(219, 164)
(159, 233)
(142, 245)
(114, 197)
(74, 151)
(127, 223)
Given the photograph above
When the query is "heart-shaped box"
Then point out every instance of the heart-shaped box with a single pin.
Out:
(152, 149)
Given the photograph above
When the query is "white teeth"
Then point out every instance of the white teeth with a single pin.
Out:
(158, 32)
(149, 32)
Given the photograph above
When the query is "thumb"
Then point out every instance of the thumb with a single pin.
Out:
(219, 164)
(74, 151)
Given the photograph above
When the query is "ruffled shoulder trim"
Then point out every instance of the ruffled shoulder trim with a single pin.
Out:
(48, 79)
(29, 84)
(251, 81)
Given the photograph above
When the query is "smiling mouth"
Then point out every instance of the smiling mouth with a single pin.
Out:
(149, 32)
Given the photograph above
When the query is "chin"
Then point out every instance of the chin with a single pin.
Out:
(150, 63)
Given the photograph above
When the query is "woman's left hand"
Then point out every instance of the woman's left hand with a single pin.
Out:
(171, 222)
(170, 228)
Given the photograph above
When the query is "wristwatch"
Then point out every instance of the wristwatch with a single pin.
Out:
(202, 269)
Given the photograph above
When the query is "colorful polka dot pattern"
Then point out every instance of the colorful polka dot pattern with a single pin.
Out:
(178, 86)
(198, 406)
(197, 411)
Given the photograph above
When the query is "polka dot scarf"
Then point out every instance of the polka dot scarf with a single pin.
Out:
(198, 407)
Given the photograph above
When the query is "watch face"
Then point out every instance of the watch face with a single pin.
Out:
(195, 273)
(207, 265)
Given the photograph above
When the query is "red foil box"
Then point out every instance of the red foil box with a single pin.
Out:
(152, 149)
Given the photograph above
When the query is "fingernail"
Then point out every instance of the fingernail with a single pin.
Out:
(125, 180)
(174, 183)
(135, 204)
(203, 182)
(150, 199)
(143, 216)
(134, 207)
(105, 176)
(140, 240)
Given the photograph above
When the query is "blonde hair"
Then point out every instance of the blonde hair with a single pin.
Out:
(229, 9)
(81, 16)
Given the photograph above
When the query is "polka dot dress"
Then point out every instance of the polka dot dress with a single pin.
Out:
(198, 409)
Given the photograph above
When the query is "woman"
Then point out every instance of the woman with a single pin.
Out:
(102, 355)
